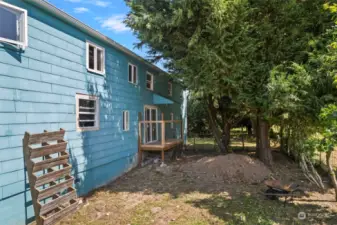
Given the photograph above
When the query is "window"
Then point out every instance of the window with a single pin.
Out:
(95, 58)
(172, 118)
(133, 74)
(87, 112)
(170, 88)
(13, 25)
(126, 120)
(149, 81)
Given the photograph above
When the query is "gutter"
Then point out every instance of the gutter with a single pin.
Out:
(46, 6)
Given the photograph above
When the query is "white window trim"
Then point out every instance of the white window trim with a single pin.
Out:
(134, 82)
(23, 44)
(126, 122)
(95, 58)
(170, 88)
(172, 123)
(152, 81)
(87, 97)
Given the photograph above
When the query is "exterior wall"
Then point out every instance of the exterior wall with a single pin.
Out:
(37, 92)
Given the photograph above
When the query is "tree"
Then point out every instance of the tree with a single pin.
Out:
(328, 119)
(226, 49)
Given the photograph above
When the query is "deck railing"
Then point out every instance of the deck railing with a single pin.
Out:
(162, 129)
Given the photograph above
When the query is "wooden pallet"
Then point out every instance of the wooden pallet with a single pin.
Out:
(49, 174)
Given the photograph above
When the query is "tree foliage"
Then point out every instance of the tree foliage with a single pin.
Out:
(262, 57)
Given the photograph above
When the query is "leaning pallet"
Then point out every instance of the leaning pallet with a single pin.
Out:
(49, 174)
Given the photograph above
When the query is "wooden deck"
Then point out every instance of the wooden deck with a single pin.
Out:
(157, 146)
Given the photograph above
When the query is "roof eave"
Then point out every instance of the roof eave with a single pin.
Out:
(46, 6)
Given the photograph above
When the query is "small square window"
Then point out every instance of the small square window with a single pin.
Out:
(87, 112)
(149, 81)
(133, 74)
(13, 25)
(126, 121)
(95, 58)
(170, 88)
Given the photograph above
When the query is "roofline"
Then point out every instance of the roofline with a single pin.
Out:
(44, 5)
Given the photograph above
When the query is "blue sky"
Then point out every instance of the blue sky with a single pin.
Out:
(106, 16)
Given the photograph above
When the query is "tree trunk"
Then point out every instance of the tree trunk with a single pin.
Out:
(226, 136)
(257, 135)
(331, 172)
(282, 144)
(215, 130)
(264, 152)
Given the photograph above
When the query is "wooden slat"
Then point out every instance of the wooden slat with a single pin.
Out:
(52, 176)
(49, 163)
(55, 189)
(52, 219)
(48, 150)
(58, 201)
(46, 137)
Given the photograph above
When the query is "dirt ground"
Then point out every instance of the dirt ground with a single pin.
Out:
(155, 196)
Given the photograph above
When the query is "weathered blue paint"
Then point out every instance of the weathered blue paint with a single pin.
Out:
(37, 92)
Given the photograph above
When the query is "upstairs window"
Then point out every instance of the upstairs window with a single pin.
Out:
(133, 76)
(87, 112)
(13, 25)
(126, 120)
(170, 88)
(95, 58)
(149, 81)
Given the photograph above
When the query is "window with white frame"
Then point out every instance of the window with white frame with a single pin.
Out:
(149, 81)
(172, 118)
(170, 88)
(87, 112)
(126, 121)
(133, 74)
(95, 58)
(13, 25)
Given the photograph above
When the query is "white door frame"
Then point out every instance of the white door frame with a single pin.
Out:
(150, 107)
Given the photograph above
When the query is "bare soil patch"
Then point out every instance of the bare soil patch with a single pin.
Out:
(147, 196)
(231, 168)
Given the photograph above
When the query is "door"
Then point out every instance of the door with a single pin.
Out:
(151, 128)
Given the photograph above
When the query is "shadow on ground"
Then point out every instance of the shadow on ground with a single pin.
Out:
(147, 196)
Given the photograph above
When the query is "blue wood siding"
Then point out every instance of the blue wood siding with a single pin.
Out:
(37, 92)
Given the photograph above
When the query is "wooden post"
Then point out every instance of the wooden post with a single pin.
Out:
(140, 152)
(162, 130)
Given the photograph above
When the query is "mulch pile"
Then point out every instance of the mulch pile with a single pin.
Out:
(231, 168)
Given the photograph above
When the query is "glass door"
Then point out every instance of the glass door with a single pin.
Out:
(151, 128)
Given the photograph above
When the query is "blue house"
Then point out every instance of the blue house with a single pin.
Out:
(56, 72)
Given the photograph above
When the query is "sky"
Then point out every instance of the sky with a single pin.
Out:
(105, 16)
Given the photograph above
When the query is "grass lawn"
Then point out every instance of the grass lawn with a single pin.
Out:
(146, 196)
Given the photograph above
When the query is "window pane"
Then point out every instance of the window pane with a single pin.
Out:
(124, 128)
(87, 110)
(135, 74)
(8, 25)
(130, 73)
(86, 124)
(87, 117)
(87, 103)
(91, 57)
(148, 85)
(99, 60)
